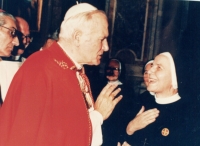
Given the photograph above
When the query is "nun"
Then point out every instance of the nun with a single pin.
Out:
(160, 121)
(146, 68)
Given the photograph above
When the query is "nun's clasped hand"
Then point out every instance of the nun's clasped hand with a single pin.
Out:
(107, 100)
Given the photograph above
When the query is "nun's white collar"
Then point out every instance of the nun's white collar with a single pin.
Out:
(168, 100)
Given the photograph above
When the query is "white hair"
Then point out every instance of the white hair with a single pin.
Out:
(77, 18)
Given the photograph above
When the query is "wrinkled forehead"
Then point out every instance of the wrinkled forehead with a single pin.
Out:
(9, 22)
(162, 60)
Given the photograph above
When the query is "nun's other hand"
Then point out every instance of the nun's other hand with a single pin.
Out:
(107, 100)
(142, 119)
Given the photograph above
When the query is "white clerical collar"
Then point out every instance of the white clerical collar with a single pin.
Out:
(16, 57)
(152, 93)
(167, 100)
(78, 66)
(115, 82)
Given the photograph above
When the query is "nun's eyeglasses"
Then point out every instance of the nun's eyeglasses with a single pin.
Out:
(13, 31)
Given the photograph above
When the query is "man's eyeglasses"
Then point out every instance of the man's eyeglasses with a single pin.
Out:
(112, 68)
(110, 71)
(13, 32)
(21, 37)
(27, 37)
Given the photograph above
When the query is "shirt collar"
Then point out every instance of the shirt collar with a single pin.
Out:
(115, 82)
(168, 100)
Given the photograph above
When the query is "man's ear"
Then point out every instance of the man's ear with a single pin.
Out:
(76, 37)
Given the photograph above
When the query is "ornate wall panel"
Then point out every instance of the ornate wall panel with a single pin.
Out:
(128, 34)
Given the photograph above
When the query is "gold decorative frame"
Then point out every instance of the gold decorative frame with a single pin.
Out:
(39, 14)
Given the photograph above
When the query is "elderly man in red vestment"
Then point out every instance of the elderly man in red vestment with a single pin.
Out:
(53, 106)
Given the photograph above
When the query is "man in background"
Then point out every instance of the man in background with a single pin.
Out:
(8, 39)
(24, 40)
(8, 34)
(53, 105)
(11, 64)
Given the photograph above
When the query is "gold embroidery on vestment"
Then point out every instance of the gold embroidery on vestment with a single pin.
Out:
(62, 64)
